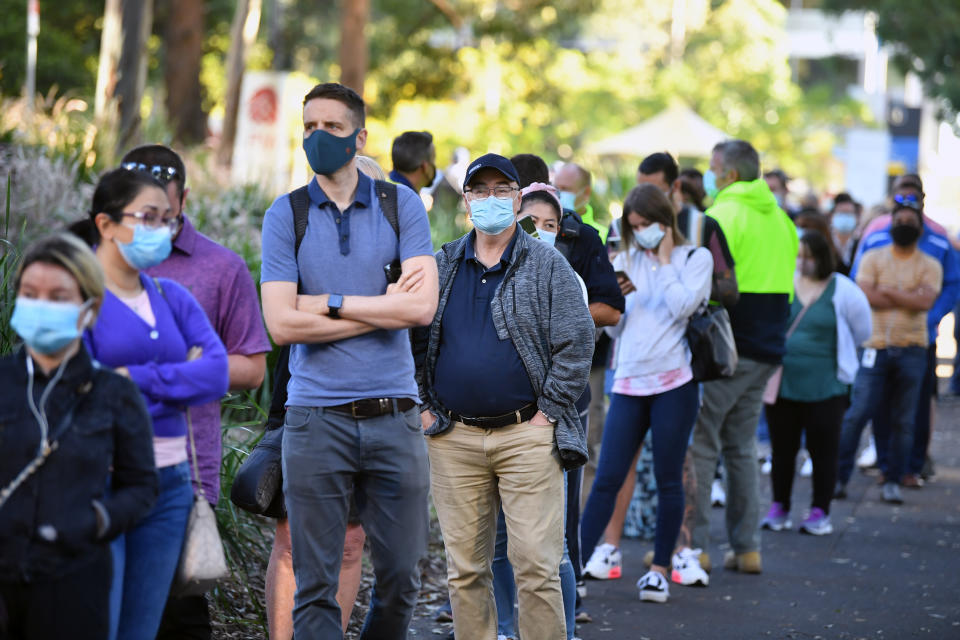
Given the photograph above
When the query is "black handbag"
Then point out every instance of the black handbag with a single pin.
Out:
(712, 348)
(258, 485)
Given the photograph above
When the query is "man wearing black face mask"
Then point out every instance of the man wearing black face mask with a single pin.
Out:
(902, 284)
(352, 426)
(414, 160)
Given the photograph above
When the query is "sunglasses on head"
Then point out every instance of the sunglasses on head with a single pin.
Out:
(160, 172)
(908, 199)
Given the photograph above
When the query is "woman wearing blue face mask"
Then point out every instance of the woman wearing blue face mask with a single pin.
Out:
(665, 281)
(844, 219)
(65, 423)
(155, 333)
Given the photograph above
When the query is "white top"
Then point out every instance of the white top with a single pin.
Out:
(652, 331)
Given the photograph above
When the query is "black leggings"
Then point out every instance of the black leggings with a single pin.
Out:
(821, 421)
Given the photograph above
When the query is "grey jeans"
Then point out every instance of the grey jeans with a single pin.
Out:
(727, 423)
(382, 462)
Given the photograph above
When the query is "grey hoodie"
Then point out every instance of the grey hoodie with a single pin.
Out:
(538, 305)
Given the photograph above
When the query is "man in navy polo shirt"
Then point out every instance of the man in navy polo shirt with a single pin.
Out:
(504, 361)
(352, 424)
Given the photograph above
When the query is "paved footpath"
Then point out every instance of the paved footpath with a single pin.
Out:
(887, 571)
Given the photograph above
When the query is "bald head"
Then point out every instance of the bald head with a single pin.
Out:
(573, 178)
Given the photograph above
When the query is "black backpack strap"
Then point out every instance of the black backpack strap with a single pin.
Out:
(387, 195)
(300, 204)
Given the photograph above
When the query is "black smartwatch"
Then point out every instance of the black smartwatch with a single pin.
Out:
(334, 304)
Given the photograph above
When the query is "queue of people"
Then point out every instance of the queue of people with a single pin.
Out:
(468, 375)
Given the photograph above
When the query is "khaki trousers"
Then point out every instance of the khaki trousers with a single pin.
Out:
(472, 472)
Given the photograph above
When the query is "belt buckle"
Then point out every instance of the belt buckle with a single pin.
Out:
(384, 404)
(353, 409)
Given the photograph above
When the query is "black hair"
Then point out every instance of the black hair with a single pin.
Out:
(822, 252)
(845, 198)
(530, 168)
(909, 180)
(341, 93)
(410, 150)
(661, 161)
(157, 154)
(542, 196)
(116, 190)
(740, 155)
(779, 175)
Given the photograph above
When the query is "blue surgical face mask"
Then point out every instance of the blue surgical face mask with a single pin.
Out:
(326, 152)
(567, 199)
(550, 237)
(800, 232)
(46, 327)
(844, 222)
(148, 248)
(650, 237)
(492, 215)
(710, 184)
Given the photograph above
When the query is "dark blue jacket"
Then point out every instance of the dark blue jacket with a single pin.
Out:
(103, 462)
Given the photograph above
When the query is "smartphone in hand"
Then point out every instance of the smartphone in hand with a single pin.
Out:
(527, 225)
(392, 271)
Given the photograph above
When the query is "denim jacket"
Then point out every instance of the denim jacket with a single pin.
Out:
(539, 305)
(98, 482)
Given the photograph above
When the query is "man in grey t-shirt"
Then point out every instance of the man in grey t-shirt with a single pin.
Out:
(353, 423)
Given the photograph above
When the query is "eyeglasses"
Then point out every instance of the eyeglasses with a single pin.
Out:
(161, 172)
(154, 220)
(501, 191)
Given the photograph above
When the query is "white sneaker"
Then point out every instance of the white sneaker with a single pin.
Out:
(687, 570)
(718, 496)
(806, 470)
(766, 466)
(653, 587)
(868, 457)
(606, 563)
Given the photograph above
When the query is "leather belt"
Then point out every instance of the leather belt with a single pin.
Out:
(495, 422)
(372, 407)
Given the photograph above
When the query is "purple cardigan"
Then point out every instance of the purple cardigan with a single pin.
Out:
(157, 356)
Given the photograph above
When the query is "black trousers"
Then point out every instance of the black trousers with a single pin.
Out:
(75, 606)
(821, 422)
(185, 619)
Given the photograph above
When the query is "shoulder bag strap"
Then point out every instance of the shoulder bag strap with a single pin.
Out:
(387, 195)
(796, 321)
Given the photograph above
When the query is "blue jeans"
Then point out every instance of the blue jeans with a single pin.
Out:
(671, 416)
(505, 588)
(382, 462)
(145, 559)
(896, 375)
(921, 424)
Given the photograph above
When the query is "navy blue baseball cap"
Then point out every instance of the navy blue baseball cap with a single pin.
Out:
(492, 161)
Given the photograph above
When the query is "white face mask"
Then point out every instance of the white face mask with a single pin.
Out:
(650, 237)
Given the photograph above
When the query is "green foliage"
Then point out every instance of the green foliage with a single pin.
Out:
(246, 538)
(10, 252)
(927, 35)
(67, 46)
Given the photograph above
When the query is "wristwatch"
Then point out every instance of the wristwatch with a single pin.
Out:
(334, 303)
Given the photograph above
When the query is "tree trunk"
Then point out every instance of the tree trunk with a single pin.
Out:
(353, 43)
(184, 49)
(122, 71)
(243, 32)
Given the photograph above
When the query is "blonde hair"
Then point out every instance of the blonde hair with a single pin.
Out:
(72, 254)
(370, 167)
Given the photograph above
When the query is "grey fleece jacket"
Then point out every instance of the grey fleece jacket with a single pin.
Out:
(539, 305)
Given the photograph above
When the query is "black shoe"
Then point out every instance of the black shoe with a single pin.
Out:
(840, 491)
(928, 470)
